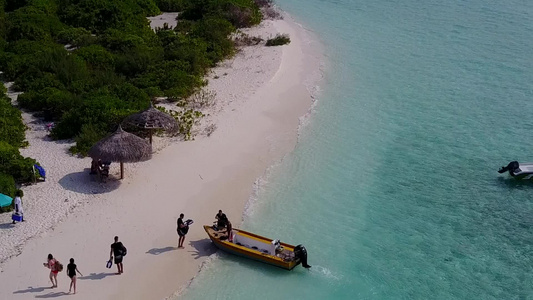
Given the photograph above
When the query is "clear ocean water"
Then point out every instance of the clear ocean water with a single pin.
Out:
(393, 186)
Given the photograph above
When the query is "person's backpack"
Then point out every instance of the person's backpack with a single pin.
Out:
(59, 266)
(124, 251)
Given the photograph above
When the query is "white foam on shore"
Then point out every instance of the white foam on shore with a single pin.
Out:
(312, 81)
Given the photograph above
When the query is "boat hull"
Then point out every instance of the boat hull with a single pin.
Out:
(518, 170)
(250, 253)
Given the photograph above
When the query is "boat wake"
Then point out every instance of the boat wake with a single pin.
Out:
(324, 272)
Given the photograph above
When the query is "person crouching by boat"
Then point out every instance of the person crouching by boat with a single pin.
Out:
(182, 231)
(222, 220)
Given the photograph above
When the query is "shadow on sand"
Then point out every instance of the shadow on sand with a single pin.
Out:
(157, 251)
(85, 183)
(52, 295)
(7, 225)
(96, 276)
(202, 248)
(31, 289)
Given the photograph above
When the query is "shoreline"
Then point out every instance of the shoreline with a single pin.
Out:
(257, 125)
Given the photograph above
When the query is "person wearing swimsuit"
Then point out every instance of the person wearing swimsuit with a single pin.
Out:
(117, 249)
(182, 231)
(51, 264)
(71, 272)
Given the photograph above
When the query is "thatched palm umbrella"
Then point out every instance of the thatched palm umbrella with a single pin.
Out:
(151, 119)
(122, 147)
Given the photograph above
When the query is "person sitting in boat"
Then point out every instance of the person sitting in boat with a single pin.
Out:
(222, 220)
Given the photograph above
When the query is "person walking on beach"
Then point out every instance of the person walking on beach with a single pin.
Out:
(52, 264)
(118, 249)
(182, 231)
(71, 272)
(18, 204)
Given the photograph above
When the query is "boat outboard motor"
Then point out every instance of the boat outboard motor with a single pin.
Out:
(511, 167)
(301, 253)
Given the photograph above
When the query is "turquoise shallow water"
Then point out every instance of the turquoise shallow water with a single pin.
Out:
(393, 186)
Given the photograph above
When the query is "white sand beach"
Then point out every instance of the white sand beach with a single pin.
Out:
(261, 94)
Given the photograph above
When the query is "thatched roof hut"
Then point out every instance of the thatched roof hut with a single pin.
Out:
(151, 119)
(122, 147)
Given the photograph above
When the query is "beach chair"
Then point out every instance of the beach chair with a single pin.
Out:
(38, 173)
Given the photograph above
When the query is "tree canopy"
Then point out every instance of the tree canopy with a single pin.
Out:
(86, 64)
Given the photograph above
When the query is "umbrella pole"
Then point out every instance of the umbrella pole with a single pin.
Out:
(121, 170)
(150, 136)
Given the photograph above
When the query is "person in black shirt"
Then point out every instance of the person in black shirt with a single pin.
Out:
(118, 249)
(182, 230)
(222, 220)
(71, 272)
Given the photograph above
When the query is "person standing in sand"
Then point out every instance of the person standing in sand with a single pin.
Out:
(71, 272)
(52, 265)
(182, 231)
(118, 249)
(18, 204)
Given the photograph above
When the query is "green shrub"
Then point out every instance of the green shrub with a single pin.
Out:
(76, 36)
(242, 16)
(52, 101)
(215, 32)
(88, 136)
(11, 5)
(171, 5)
(278, 40)
(14, 164)
(32, 23)
(11, 126)
(103, 109)
(119, 62)
(97, 57)
(7, 187)
(186, 119)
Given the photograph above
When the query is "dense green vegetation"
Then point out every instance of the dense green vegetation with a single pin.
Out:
(86, 64)
(118, 62)
(278, 40)
(13, 166)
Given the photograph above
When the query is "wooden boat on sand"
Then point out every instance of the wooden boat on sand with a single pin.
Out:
(256, 247)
